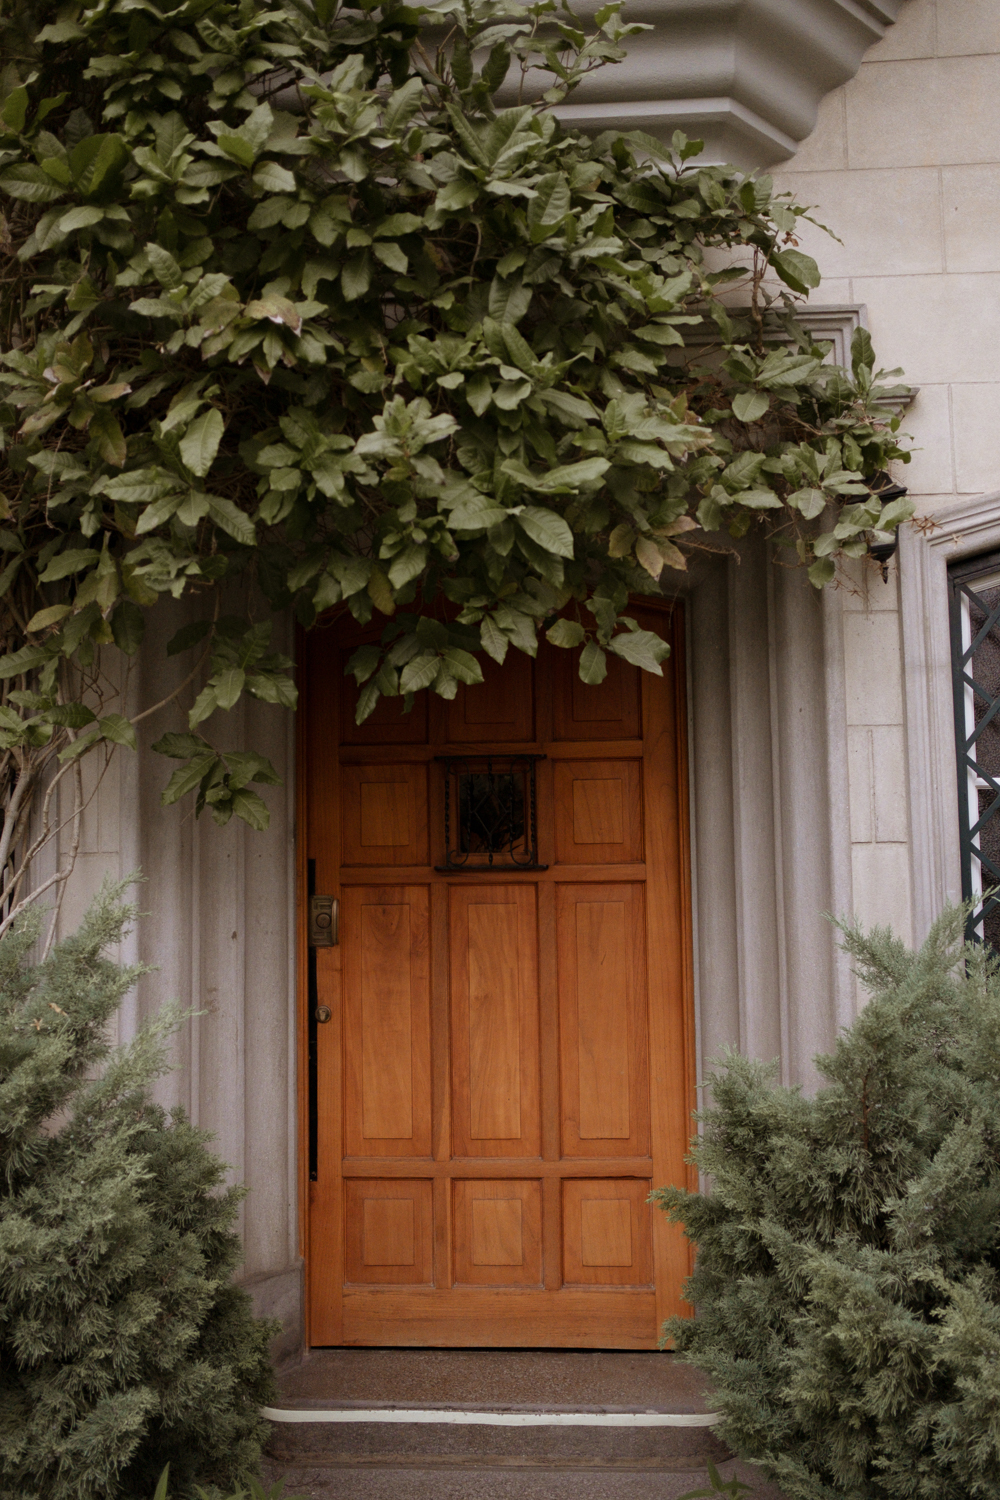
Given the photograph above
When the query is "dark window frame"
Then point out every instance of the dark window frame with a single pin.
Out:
(975, 627)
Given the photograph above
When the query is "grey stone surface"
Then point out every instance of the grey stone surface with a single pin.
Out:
(546, 1379)
(322, 1442)
(512, 1482)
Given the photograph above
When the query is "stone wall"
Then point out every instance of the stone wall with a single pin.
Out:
(904, 166)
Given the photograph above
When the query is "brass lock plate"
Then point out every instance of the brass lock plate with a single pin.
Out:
(324, 921)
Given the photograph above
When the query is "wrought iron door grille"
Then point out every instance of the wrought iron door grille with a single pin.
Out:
(490, 812)
(975, 646)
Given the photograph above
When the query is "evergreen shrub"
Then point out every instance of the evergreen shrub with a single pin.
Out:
(848, 1253)
(124, 1345)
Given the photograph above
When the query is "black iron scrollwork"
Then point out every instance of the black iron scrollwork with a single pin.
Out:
(490, 813)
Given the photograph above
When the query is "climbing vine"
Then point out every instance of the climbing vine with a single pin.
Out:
(323, 300)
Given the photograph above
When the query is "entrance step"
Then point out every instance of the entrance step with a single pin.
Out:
(531, 1424)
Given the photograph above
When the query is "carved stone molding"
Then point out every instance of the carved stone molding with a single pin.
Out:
(745, 76)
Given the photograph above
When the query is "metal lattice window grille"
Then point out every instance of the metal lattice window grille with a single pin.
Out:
(490, 812)
(975, 646)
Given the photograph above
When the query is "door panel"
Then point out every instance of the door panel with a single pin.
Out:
(602, 995)
(388, 1232)
(494, 987)
(384, 940)
(485, 1133)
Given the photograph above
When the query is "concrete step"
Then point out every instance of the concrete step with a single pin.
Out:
(470, 1459)
(426, 1480)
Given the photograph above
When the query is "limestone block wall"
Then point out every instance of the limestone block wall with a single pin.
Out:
(904, 166)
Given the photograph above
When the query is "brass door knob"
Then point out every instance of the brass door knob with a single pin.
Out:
(323, 1013)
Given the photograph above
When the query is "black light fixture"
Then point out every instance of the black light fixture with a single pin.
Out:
(882, 544)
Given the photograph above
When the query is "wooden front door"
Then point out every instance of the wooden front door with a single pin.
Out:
(506, 1067)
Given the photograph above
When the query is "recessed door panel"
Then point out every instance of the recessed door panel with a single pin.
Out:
(494, 988)
(498, 1233)
(598, 812)
(602, 992)
(607, 1233)
(498, 711)
(608, 710)
(384, 816)
(389, 1232)
(384, 934)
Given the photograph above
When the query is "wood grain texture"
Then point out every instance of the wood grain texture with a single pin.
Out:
(494, 991)
(609, 710)
(389, 1231)
(497, 1232)
(498, 711)
(603, 1024)
(509, 1020)
(385, 940)
(598, 811)
(384, 814)
(671, 1046)
(501, 1317)
(607, 1232)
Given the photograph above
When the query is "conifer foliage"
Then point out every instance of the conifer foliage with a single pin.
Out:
(848, 1255)
(123, 1344)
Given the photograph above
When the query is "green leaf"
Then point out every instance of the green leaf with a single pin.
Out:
(750, 406)
(116, 727)
(367, 699)
(796, 270)
(128, 626)
(204, 705)
(810, 502)
(895, 512)
(822, 571)
(230, 519)
(462, 664)
(106, 432)
(180, 746)
(509, 299)
(251, 808)
(228, 686)
(66, 563)
(547, 529)
(593, 664)
(15, 109)
(862, 351)
(188, 636)
(566, 633)
(16, 662)
(419, 673)
(166, 270)
(186, 778)
(274, 178)
(642, 648)
(200, 443)
(43, 618)
(30, 183)
(494, 642)
(356, 277)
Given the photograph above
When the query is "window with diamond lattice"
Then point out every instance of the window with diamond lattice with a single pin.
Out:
(975, 644)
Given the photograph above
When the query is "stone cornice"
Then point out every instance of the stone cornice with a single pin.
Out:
(745, 76)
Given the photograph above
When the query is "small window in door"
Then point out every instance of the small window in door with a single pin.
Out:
(975, 646)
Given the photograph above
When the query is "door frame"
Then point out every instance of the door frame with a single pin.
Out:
(316, 725)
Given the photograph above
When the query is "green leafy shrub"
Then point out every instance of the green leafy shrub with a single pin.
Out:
(123, 1343)
(848, 1273)
(296, 293)
(254, 1491)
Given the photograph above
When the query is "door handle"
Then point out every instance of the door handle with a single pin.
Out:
(324, 922)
